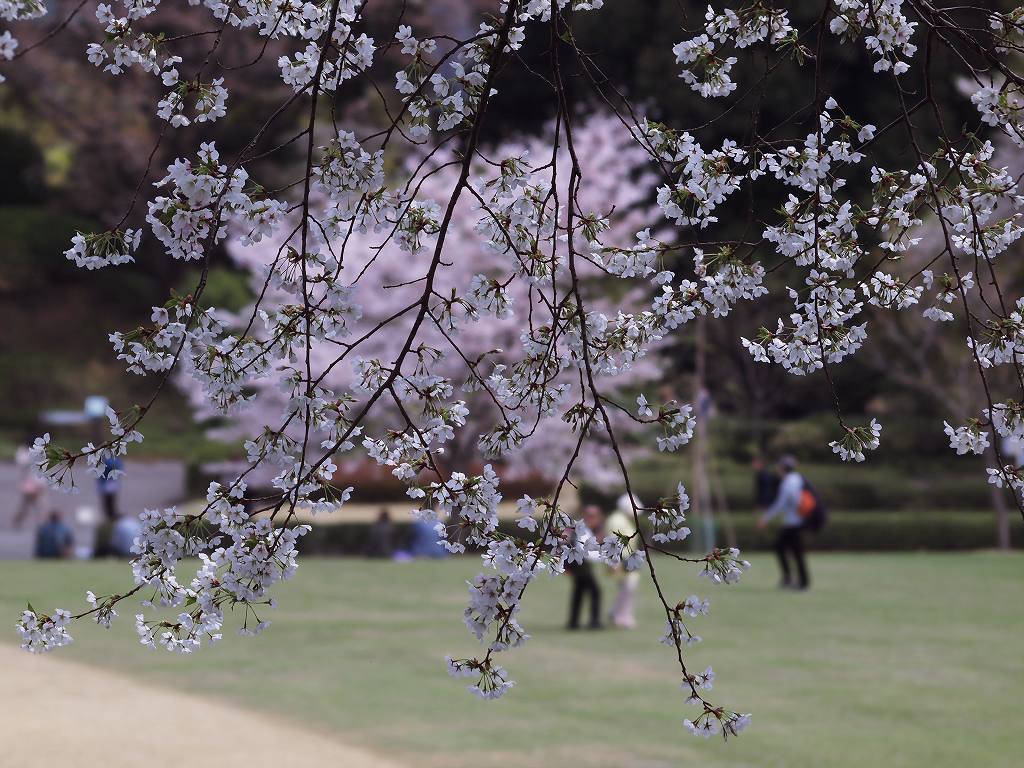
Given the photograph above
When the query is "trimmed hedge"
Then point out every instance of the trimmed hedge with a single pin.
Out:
(862, 531)
(900, 531)
(874, 485)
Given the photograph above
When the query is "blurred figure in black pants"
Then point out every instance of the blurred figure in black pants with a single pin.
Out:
(766, 484)
(584, 580)
(108, 484)
(379, 541)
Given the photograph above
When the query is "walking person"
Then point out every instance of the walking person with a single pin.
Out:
(379, 541)
(31, 488)
(584, 579)
(790, 540)
(123, 535)
(109, 485)
(621, 523)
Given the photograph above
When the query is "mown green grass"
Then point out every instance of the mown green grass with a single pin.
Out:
(891, 661)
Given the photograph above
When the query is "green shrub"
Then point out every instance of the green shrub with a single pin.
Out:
(225, 288)
(22, 169)
(803, 438)
(33, 241)
(876, 484)
(868, 531)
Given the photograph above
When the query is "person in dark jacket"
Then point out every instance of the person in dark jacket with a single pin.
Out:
(108, 484)
(53, 538)
(584, 580)
(379, 542)
(766, 484)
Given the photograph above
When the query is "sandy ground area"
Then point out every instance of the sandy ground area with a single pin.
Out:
(56, 712)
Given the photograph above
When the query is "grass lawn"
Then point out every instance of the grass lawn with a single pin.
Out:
(891, 661)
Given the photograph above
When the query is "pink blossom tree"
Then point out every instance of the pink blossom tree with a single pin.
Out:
(382, 276)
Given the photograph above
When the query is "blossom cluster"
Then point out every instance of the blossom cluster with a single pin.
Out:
(202, 198)
(16, 10)
(706, 69)
(41, 633)
(95, 251)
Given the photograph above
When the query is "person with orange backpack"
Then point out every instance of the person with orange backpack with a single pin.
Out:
(799, 507)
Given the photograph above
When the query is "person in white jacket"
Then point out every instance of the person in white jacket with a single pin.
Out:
(622, 523)
(790, 540)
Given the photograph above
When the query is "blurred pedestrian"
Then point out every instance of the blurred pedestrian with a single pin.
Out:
(790, 540)
(622, 523)
(123, 535)
(379, 541)
(584, 579)
(53, 538)
(30, 487)
(424, 541)
(1013, 450)
(109, 485)
(766, 484)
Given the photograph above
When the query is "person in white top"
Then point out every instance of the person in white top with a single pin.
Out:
(621, 522)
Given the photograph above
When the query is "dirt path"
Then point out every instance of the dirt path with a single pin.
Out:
(57, 712)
